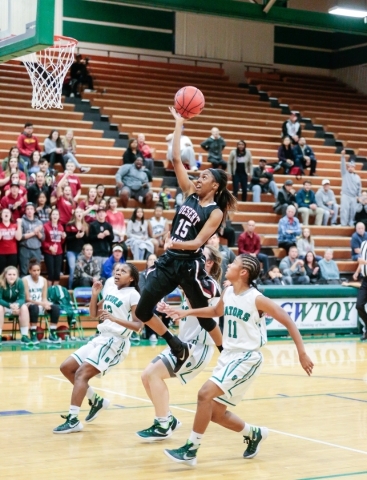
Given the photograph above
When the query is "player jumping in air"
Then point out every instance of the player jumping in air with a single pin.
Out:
(107, 349)
(244, 333)
(206, 204)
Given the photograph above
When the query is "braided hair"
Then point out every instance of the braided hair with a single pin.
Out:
(252, 265)
(223, 197)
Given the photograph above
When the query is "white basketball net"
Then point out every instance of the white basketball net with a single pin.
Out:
(47, 70)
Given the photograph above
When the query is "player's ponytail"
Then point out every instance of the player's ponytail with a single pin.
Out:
(223, 197)
(216, 257)
(134, 272)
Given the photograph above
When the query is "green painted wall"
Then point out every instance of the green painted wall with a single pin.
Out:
(142, 19)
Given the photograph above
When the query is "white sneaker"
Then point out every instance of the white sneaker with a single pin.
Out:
(85, 169)
(153, 338)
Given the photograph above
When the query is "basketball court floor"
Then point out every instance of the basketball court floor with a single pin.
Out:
(318, 425)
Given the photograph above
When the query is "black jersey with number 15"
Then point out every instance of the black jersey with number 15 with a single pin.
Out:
(188, 222)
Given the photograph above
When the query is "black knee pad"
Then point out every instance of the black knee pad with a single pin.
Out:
(208, 324)
(143, 313)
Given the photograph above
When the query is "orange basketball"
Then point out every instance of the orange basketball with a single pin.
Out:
(189, 102)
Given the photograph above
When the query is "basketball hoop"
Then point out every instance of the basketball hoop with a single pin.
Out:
(47, 70)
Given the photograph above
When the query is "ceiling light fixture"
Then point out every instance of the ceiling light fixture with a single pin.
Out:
(348, 12)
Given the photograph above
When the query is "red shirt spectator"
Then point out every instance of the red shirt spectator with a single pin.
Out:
(54, 237)
(65, 203)
(145, 149)
(15, 202)
(248, 243)
(9, 234)
(116, 219)
(90, 206)
(27, 143)
(73, 180)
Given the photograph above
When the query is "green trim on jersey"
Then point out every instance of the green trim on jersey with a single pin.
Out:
(237, 363)
(247, 377)
(198, 365)
(101, 353)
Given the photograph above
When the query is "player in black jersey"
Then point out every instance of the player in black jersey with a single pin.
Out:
(202, 213)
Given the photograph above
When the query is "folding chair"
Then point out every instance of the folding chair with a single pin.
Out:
(81, 298)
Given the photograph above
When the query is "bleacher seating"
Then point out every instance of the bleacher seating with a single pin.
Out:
(135, 97)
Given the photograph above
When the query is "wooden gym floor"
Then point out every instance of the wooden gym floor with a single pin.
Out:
(318, 425)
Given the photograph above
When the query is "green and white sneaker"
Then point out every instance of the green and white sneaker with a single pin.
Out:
(26, 340)
(256, 436)
(34, 338)
(53, 337)
(155, 433)
(71, 425)
(95, 407)
(174, 423)
(185, 454)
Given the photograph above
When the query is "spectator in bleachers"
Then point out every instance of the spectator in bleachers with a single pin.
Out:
(158, 228)
(100, 189)
(147, 152)
(32, 238)
(289, 229)
(44, 168)
(101, 237)
(262, 181)
(87, 268)
(274, 277)
(304, 156)
(65, 203)
(312, 267)
(358, 237)
(186, 151)
(37, 188)
(14, 153)
(326, 200)
(35, 288)
(12, 300)
(286, 159)
(54, 151)
(250, 242)
(34, 162)
(329, 269)
(116, 219)
(292, 128)
(137, 235)
(361, 209)
(73, 181)
(240, 167)
(116, 257)
(69, 146)
(132, 152)
(52, 247)
(286, 196)
(15, 202)
(43, 208)
(10, 234)
(215, 145)
(294, 268)
(164, 197)
(351, 190)
(13, 167)
(143, 275)
(179, 198)
(133, 182)
(27, 143)
(77, 231)
(306, 244)
(90, 205)
(14, 178)
(307, 205)
(80, 75)
(227, 254)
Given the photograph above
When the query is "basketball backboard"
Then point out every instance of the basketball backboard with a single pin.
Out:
(25, 26)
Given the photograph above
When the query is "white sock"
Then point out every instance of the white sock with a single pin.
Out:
(195, 438)
(33, 327)
(74, 410)
(53, 326)
(24, 331)
(90, 394)
(246, 430)
(163, 421)
(169, 415)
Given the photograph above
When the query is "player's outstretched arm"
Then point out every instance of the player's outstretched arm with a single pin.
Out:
(93, 306)
(206, 312)
(266, 305)
(184, 182)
